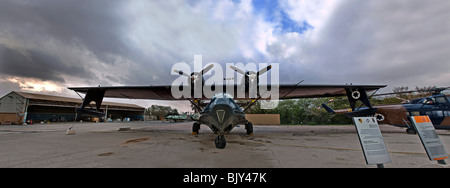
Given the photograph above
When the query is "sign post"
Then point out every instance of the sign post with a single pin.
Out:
(430, 139)
(372, 143)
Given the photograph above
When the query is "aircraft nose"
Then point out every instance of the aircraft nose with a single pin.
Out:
(222, 113)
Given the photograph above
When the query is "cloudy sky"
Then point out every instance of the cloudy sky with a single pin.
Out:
(49, 45)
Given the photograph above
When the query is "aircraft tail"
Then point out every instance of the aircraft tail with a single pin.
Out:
(328, 109)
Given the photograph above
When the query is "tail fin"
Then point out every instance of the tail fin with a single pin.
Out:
(327, 108)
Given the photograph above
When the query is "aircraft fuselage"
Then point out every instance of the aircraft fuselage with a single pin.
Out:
(222, 114)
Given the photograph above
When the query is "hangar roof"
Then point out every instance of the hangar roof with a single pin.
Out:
(67, 99)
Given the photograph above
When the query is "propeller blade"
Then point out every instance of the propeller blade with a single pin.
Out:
(264, 70)
(237, 70)
(181, 73)
(206, 69)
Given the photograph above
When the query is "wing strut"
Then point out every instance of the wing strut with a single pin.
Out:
(196, 105)
(293, 88)
(253, 103)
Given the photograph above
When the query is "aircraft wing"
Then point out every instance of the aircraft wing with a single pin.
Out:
(131, 92)
(285, 91)
(316, 91)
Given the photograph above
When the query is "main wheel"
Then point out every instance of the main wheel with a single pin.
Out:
(220, 142)
(195, 128)
(249, 128)
(411, 131)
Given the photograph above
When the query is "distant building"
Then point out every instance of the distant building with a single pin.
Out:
(15, 106)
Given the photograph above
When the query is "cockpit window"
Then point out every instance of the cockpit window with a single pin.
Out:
(222, 98)
(429, 100)
(440, 100)
(222, 95)
(233, 105)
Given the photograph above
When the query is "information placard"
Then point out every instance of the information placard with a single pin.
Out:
(372, 142)
(430, 139)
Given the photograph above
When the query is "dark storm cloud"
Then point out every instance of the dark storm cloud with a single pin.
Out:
(36, 64)
(51, 39)
(96, 24)
(90, 36)
(99, 25)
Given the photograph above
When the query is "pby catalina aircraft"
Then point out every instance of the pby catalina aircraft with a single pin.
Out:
(222, 113)
(436, 106)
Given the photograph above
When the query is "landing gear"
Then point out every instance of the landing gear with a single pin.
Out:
(249, 128)
(195, 128)
(220, 141)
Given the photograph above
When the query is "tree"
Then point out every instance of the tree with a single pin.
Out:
(402, 92)
(304, 111)
(425, 91)
(161, 111)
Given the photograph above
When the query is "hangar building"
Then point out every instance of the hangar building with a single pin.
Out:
(15, 106)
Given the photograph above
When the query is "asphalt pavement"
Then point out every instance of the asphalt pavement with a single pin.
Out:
(157, 144)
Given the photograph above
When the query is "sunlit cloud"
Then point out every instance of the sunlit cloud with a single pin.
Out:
(35, 85)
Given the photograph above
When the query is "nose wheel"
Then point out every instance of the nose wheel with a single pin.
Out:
(220, 142)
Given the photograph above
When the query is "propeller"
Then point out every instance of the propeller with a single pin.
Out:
(264, 70)
(181, 73)
(237, 69)
(251, 76)
(260, 72)
(195, 76)
(207, 68)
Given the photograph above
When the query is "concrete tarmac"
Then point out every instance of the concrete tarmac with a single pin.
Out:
(156, 144)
